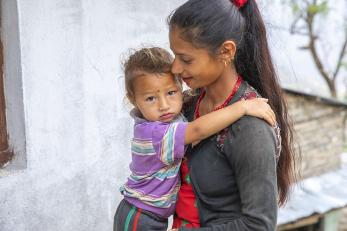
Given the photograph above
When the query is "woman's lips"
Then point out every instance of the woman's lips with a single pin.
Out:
(187, 80)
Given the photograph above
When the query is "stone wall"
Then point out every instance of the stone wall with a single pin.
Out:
(343, 220)
(319, 132)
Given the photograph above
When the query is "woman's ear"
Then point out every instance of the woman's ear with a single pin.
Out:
(227, 51)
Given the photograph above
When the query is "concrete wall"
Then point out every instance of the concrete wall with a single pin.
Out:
(77, 131)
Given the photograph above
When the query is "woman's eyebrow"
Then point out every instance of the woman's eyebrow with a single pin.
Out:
(178, 53)
(175, 53)
(182, 54)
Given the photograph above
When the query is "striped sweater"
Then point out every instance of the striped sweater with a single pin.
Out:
(157, 149)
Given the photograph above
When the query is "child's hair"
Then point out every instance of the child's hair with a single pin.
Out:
(208, 24)
(152, 60)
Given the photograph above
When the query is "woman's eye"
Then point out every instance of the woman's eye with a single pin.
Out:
(150, 99)
(171, 92)
(186, 61)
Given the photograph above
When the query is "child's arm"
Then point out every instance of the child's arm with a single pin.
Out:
(213, 122)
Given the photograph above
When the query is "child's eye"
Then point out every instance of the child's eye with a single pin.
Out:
(172, 92)
(150, 98)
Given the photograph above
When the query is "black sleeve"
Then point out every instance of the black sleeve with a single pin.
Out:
(250, 150)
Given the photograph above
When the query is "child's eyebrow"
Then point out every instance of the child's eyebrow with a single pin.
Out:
(155, 91)
(149, 92)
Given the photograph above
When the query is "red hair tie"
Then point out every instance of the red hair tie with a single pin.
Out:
(239, 3)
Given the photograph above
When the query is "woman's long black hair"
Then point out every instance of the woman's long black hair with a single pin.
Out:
(208, 24)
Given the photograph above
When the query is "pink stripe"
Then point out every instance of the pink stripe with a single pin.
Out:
(136, 219)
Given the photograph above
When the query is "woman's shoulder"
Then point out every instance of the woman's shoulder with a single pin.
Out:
(252, 127)
(250, 132)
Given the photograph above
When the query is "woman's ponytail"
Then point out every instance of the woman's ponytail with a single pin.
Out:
(253, 61)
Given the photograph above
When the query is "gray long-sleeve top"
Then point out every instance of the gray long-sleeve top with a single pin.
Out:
(236, 186)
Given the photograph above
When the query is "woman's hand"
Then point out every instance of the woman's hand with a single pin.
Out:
(259, 107)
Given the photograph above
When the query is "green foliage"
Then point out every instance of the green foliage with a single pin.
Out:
(319, 8)
(313, 8)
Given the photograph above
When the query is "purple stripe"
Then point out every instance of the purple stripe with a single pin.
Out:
(145, 164)
(154, 187)
(144, 130)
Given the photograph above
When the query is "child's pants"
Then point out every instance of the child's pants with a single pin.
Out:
(130, 218)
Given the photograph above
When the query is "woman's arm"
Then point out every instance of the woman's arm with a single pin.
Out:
(213, 122)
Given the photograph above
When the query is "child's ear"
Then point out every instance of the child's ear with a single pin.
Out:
(131, 99)
(227, 51)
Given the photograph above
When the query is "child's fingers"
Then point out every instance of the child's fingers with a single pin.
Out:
(270, 118)
(273, 117)
(263, 99)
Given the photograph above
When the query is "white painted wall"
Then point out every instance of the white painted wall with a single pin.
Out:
(77, 131)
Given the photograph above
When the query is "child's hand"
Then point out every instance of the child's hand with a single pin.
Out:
(259, 107)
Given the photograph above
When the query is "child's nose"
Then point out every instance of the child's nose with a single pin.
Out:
(163, 105)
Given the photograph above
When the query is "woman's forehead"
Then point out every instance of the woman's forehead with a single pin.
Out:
(177, 44)
(181, 47)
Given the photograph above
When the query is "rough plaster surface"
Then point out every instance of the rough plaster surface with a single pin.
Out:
(77, 129)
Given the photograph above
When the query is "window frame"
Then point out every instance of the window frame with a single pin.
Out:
(6, 153)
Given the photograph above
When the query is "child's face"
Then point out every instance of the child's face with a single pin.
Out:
(158, 97)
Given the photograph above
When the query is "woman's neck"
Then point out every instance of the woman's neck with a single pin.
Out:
(218, 92)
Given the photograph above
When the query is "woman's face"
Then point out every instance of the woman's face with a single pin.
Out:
(195, 66)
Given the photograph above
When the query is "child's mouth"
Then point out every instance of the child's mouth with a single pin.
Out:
(167, 116)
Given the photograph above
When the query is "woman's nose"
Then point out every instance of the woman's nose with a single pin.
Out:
(176, 67)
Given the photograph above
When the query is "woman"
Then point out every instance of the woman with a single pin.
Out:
(235, 179)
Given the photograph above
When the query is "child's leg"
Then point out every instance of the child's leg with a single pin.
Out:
(130, 218)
